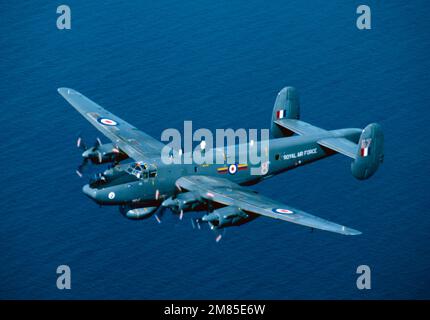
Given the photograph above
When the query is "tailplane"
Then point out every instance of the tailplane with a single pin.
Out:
(366, 155)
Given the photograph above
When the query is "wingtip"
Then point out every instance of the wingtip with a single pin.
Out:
(352, 232)
(62, 91)
(65, 91)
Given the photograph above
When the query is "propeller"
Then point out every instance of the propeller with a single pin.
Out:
(81, 167)
(174, 204)
(96, 150)
(160, 213)
(87, 153)
(196, 224)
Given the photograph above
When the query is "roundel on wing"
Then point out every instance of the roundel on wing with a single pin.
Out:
(107, 121)
(282, 211)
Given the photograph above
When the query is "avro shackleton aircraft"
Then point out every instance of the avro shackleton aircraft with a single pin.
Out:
(145, 186)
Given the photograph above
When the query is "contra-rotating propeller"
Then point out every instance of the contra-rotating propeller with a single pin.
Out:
(92, 154)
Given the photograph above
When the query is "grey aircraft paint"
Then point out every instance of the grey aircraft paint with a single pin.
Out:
(142, 186)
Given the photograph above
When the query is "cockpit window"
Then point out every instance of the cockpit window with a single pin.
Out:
(142, 170)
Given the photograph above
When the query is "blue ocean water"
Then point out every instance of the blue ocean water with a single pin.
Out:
(219, 64)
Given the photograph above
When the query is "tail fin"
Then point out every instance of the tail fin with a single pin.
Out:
(370, 152)
(287, 106)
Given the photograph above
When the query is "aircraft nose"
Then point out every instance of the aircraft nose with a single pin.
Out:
(89, 192)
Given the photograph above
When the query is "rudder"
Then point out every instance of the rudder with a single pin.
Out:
(370, 152)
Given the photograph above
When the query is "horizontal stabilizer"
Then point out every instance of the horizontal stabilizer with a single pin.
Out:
(340, 145)
(299, 127)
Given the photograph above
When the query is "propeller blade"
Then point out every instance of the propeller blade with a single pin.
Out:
(98, 142)
(181, 214)
(196, 223)
(219, 234)
(99, 156)
(80, 143)
(81, 167)
(160, 213)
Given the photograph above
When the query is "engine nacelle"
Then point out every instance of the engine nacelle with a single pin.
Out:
(370, 152)
(225, 217)
(104, 153)
(183, 201)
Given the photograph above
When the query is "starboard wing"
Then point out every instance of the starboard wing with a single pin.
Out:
(229, 193)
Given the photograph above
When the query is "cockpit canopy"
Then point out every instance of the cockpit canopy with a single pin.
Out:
(142, 170)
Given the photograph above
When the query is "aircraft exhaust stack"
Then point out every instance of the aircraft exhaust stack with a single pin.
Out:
(370, 152)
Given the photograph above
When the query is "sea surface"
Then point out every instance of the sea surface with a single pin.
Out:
(219, 64)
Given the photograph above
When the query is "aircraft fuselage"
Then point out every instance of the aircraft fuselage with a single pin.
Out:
(128, 184)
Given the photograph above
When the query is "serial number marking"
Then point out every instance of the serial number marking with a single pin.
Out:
(299, 154)
(234, 309)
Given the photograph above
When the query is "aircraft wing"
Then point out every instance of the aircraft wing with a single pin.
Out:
(137, 144)
(229, 193)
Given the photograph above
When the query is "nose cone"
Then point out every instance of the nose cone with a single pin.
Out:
(210, 217)
(87, 153)
(169, 202)
(89, 192)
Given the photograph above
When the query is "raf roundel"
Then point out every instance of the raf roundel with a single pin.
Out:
(232, 169)
(107, 122)
(282, 211)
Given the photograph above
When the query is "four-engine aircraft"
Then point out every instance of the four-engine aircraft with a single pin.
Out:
(146, 185)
